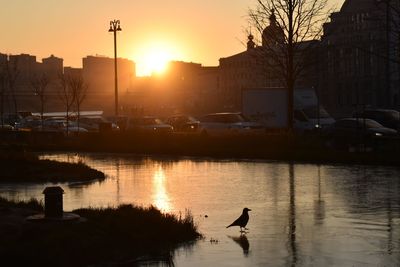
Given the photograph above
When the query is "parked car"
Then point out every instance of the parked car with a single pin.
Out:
(356, 127)
(94, 124)
(29, 123)
(387, 117)
(6, 127)
(61, 125)
(121, 121)
(148, 124)
(227, 124)
(183, 123)
(11, 119)
(311, 118)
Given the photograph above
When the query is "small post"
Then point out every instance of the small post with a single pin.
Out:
(53, 202)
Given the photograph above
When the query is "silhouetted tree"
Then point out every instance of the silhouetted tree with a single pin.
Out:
(67, 95)
(287, 41)
(79, 89)
(39, 85)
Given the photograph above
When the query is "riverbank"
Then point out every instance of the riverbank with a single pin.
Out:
(21, 166)
(108, 236)
(306, 149)
(313, 148)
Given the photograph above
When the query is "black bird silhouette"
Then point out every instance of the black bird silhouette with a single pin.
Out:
(242, 220)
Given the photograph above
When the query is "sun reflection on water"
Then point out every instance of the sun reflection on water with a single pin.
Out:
(160, 196)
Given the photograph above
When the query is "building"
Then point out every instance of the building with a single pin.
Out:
(23, 67)
(52, 67)
(3, 59)
(185, 87)
(237, 72)
(98, 74)
(179, 84)
(98, 71)
(265, 65)
(73, 72)
(358, 66)
(208, 94)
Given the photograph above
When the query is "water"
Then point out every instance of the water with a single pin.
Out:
(302, 214)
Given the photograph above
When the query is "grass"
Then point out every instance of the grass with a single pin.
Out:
(32, 204)
(108, 236)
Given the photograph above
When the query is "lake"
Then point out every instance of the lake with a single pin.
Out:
(301, 214)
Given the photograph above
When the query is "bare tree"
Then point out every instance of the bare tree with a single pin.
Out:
(293, 25)
(39, 85)
(67, 95)
(79, 89)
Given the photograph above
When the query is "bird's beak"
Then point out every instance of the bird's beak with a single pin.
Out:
(249, 209)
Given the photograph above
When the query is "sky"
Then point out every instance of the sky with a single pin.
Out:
(200, 31)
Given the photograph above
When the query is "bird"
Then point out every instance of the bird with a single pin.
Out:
(242, 220)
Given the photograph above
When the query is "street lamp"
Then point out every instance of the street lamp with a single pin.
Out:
(115, 27)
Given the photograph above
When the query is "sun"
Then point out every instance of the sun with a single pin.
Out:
(154, 58)
(155, 62)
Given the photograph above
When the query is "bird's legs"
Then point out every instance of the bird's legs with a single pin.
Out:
(243, 230)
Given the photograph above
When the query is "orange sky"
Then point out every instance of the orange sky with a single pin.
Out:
(190, 30)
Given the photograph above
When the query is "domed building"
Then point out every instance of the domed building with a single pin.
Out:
(256, 67)
(273, 33)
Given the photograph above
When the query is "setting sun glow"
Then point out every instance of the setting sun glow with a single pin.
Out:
(154, 58)
(160, 195)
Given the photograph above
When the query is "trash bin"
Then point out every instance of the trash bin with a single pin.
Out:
(53, 201)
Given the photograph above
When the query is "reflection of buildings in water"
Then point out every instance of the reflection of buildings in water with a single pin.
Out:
(276, 174)
(243, 243)
(117, 170)
(75, 190)
(292, 244)
(390, 246)
(319, 203)
(367, 190)
(390, 223)
(160, 196)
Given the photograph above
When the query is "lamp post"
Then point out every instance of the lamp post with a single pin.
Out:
(115, 27)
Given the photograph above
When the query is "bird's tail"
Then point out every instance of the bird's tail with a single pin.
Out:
(229, 225)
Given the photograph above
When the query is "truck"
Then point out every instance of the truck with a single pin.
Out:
(269, 106)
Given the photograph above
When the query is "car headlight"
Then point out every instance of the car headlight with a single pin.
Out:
(378, 134)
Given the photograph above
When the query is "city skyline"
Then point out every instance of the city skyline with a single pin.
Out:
(191, 32)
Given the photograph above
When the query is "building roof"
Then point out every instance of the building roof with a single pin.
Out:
(353, 6)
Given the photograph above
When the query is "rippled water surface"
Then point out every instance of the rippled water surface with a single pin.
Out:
(302, 214)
